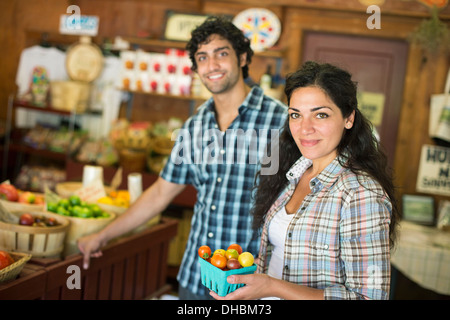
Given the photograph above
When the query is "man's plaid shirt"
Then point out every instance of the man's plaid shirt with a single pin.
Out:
(222, 167)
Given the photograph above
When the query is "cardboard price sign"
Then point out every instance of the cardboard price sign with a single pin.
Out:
(92, 192)
(434, 170)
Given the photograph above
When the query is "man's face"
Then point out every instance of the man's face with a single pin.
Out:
(217, 64)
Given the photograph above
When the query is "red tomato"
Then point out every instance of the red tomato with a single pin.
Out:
(5, 259)
(8, 192)
(219, 261)
(233, 264)
(204, 252)
(235, 246)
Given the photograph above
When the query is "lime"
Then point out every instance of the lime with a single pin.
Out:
(85, 213)
(74, 200)
(64, 203)
(96, 210)
(52, 206)
(63, 211)
(104, 215)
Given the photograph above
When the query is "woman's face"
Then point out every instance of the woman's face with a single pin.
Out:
(316, 124)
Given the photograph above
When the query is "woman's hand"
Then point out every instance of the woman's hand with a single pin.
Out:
(256, 286)
(261, 285)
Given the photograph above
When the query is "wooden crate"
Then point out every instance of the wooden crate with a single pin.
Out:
(131, 268)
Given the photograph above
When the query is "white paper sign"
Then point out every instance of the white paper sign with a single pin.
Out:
(434, 170)
(78, 25)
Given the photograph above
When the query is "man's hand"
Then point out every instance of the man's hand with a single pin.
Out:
(90, 247)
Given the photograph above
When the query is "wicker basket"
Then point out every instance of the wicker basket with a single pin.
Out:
(66, 189)
(39, 241)
(13, 270)
(216, 280)
(70, 95)
(132, 160)
(80, 227)
(14, 206)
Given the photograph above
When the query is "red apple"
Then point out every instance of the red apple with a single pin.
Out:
(27, 197)
(8, 192)
(26, 219)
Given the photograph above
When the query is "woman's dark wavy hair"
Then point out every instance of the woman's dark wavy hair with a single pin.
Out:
(361, 150)
(226, 29)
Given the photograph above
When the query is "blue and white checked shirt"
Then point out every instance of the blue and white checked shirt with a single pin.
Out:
(222, 167)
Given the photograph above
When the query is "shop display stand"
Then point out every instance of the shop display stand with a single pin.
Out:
(18, 146)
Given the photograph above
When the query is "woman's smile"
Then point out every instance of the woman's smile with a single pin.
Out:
(309, 143)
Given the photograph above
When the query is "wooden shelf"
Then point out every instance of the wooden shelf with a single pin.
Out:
(53, 38)
(47, 108)
(156, 43)
(169, 96)
(44, 153)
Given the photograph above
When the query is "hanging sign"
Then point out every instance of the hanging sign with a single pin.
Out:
(434, 170)
(372, 105)
(180, 25)
(78, 25)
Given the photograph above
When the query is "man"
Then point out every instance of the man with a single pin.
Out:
(211, 154)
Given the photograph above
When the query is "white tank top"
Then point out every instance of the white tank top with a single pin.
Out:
(277, 237)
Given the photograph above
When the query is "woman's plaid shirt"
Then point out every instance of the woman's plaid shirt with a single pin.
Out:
(339, 238)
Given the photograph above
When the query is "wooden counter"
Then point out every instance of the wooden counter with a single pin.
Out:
(131, 268)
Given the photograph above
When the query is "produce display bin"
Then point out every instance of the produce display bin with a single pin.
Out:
(131, 268)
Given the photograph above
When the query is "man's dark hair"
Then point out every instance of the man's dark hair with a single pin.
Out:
(226, 29)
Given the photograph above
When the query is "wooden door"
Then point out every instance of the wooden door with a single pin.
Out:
(378, 65)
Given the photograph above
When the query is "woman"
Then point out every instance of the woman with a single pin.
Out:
(328, 216)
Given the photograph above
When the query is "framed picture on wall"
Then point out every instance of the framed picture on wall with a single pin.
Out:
(418, 209)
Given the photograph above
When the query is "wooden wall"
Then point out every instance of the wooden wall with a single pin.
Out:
(425, 75)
